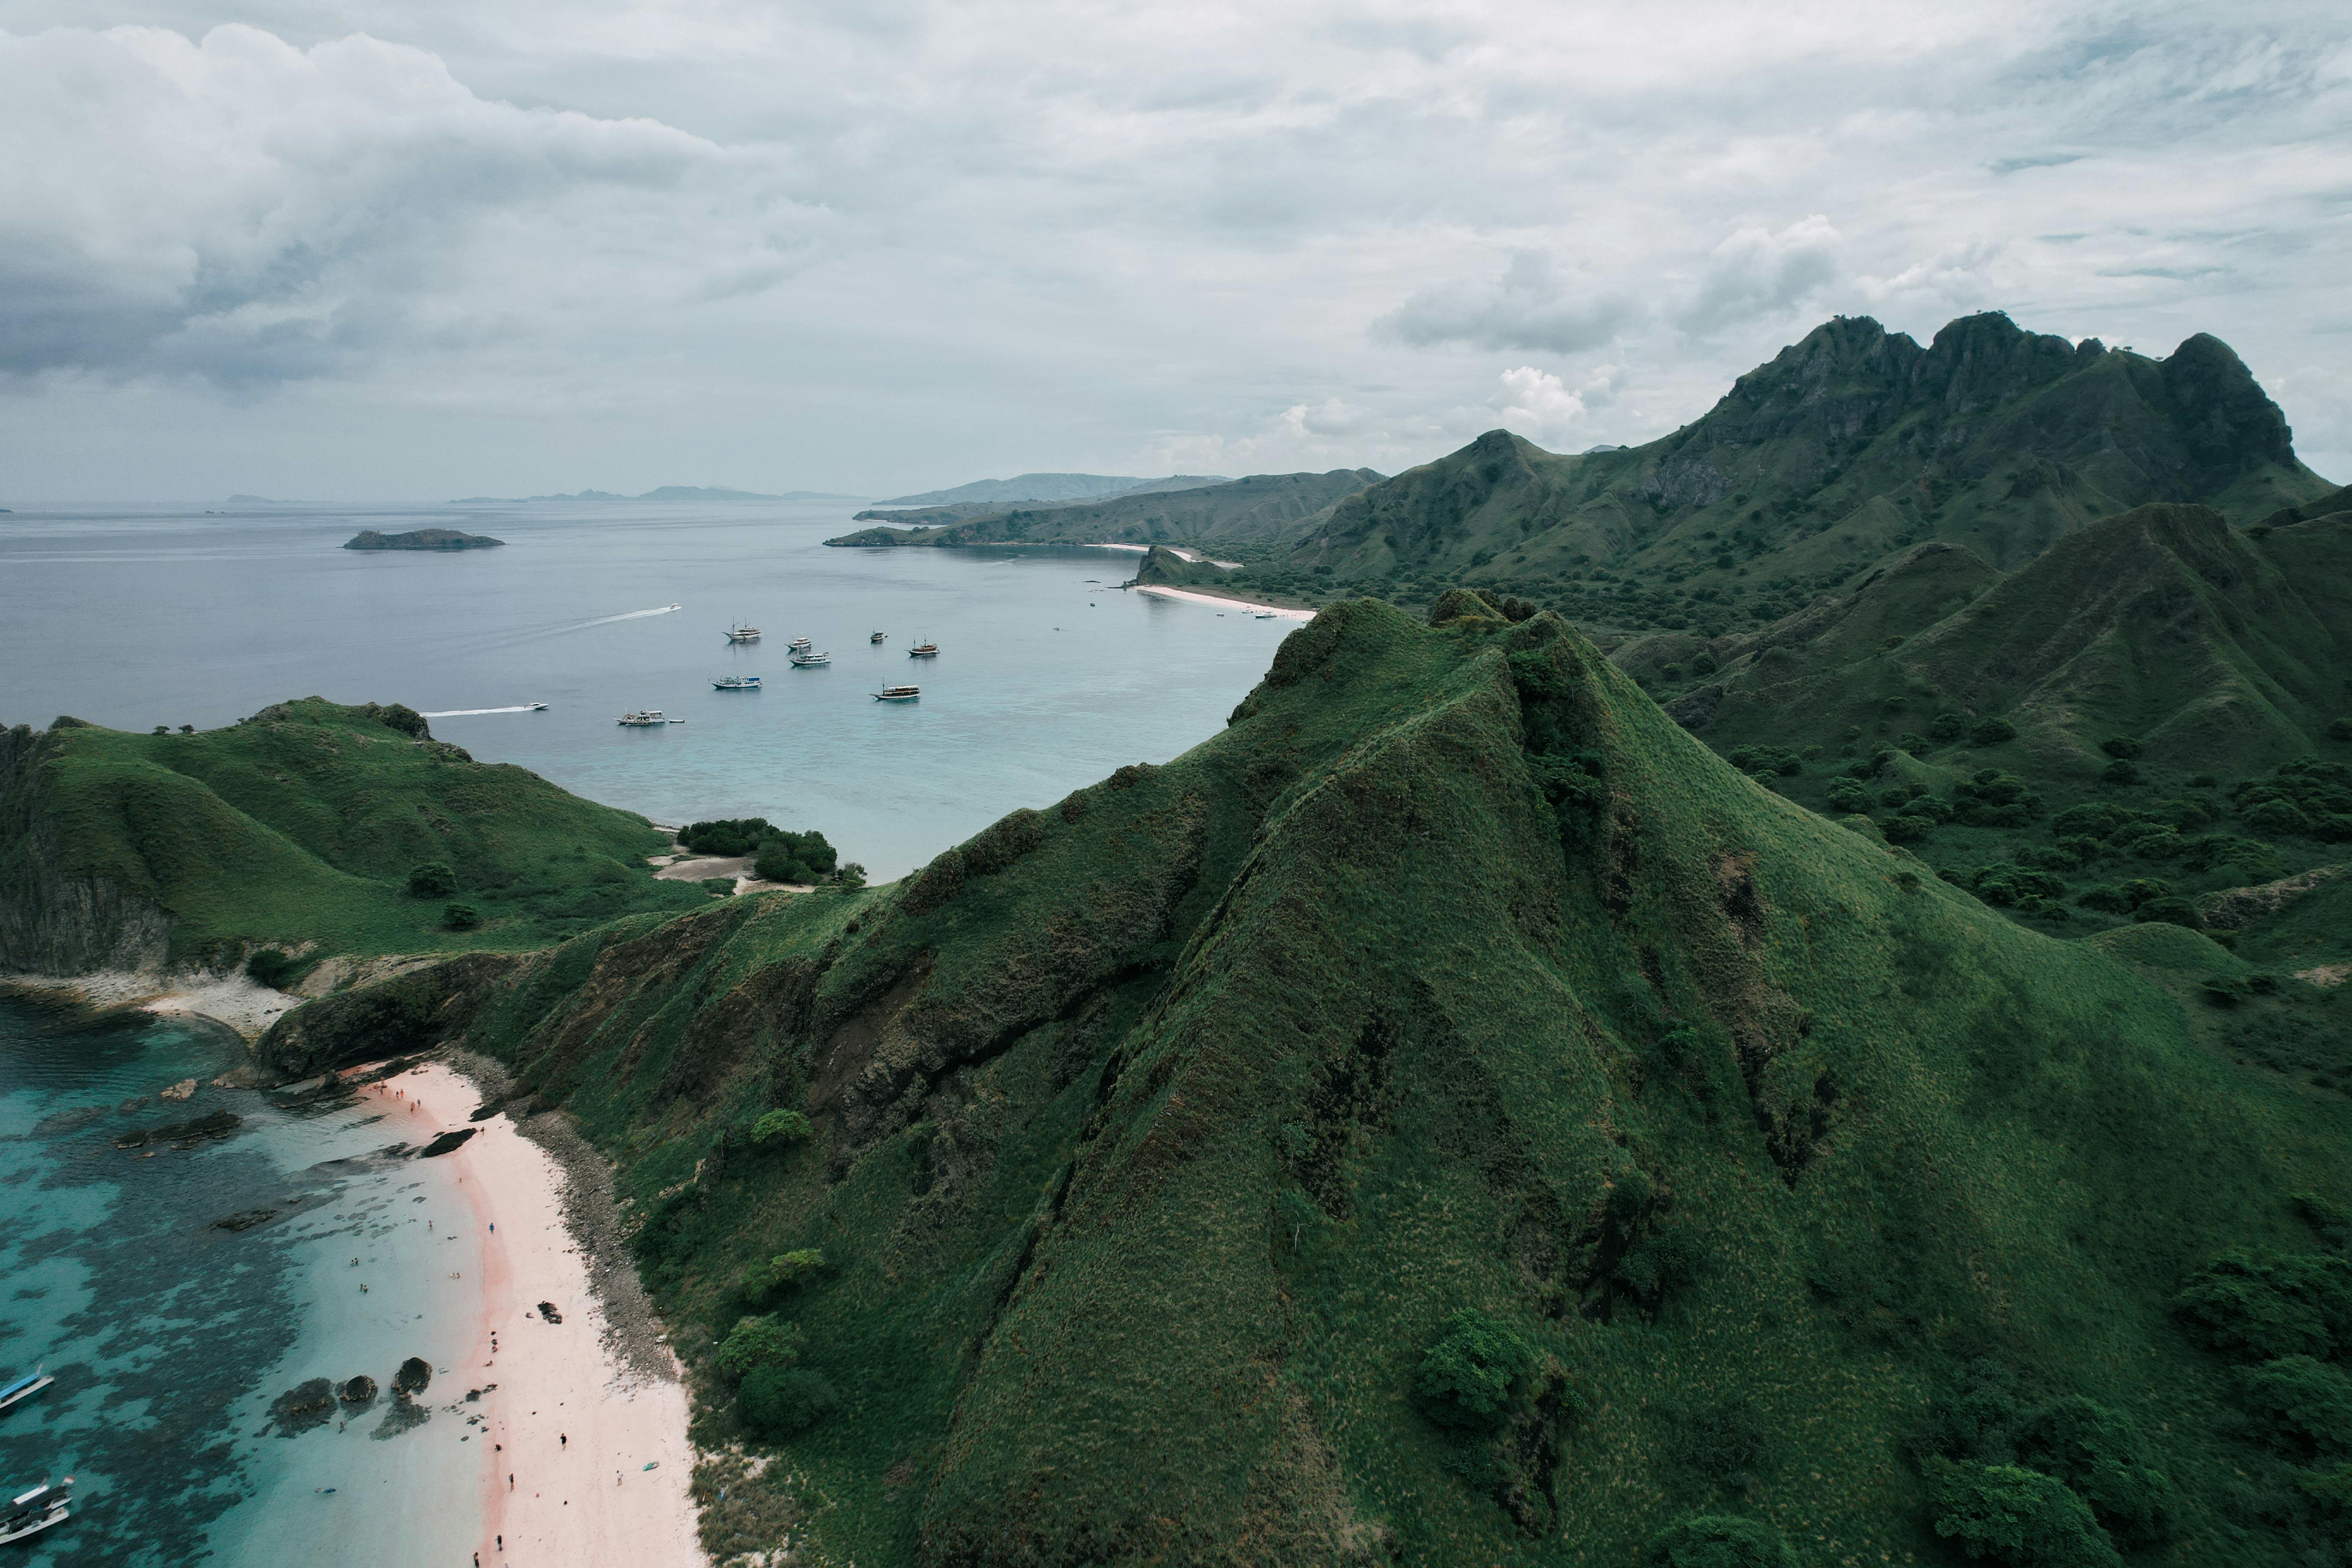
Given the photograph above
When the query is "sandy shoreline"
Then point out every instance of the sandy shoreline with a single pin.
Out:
(232, 999)
(1284, 612)
(595, 1444)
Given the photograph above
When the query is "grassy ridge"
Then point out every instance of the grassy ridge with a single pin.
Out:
(302, 824)
(1159, 1135)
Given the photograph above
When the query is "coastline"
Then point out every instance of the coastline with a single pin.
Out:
(588, 1414)
(1284, 611)
(232, 999)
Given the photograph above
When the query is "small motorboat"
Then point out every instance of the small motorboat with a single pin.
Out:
(31, 1512)
(1265, 615)
(26, 1387)
(743, 634)
(736, 683)
(538, 707)
(924, 650)
(809, 660)
(897, 694)
(879, 637)
(798, 645)
(648, 718)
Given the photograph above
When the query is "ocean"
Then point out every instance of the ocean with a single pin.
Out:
(1048, 677)
(171, 1335)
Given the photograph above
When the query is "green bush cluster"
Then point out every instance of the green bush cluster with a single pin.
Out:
(765, 1281)
(432, 880)
(2016, 1516)
(269, 967)
(1718, 1540)
(1991, 798)
(787, 1126)
(1761, 760)
(1478, 1376)
(460, 916)
(2305, 799)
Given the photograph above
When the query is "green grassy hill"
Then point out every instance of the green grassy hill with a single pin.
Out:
(1849, 446)
(1253, 513)
(298, 825)
(1452, 1117)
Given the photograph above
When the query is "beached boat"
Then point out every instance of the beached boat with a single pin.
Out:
(924, 650)
(805, 661)
(743, 634)
(26, 1387)
(879, 637)
(646, 719)
(31, 1512)
(897, 694)
(736, 683)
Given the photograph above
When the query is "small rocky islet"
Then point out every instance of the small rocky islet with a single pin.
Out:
(421, 539)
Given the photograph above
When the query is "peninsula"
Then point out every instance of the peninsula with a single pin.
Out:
(421, 539)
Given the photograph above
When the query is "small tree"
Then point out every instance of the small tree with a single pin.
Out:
(759, 1342)
(1718, 1540)
(268, 966)
(790, 1126)
(2015, 1516)
(461, 917)
(1992, 733)
(432, 880)
(779, 1401)
(1478, 1375)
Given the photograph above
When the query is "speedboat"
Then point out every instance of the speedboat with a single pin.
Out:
(897, 694)
(647, 720)
(538, 707)
(806, 661)
(1265, 615)
(31, 1512)
(736, 683)
(26, 1387)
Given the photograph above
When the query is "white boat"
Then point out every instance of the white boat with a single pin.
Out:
(646, 719)
(743, 634)
(798, 645)
(805, 661)
(897, 694)
(736, 683)
(31, 1512)
(924, 650)
(538, 707)
(879, 637)
(1265, 615)
(26, 1387)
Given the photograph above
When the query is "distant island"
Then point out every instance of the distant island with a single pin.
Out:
(421, 539)
(255, 501)
(1054, 487)
(665, 493)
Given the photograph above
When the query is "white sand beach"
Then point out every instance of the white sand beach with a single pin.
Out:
(1282, 611)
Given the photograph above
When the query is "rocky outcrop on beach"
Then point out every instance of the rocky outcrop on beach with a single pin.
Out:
(421, 539)
(306, 1405)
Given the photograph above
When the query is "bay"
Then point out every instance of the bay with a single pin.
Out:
(1048, 677)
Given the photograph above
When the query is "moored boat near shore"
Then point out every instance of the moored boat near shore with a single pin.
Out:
(30, 1512)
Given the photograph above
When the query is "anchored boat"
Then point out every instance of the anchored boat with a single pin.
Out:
(31, 1512)
(647, 720)
(897, 694)
(807, 660)
(736, 683)
(798, 645)
(879, 637)
(26, 1387)
(924, 650)
(743, 634)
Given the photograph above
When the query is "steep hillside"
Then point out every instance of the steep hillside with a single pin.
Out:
(1261, 510)
(299, 826)
(1451, 1117)
(1852, 443)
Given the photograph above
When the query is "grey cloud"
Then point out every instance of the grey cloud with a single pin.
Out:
(1757, 274)
(1530, 307)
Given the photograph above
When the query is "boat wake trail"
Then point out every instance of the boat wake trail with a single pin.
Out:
(623, 615)
(515, 637)
(468, 712)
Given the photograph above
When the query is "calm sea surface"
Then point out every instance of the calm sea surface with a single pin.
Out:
(171, 1336)
(1048, 677)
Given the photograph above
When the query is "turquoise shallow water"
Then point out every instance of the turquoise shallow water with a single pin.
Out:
(1047, 680)
(170, 1337)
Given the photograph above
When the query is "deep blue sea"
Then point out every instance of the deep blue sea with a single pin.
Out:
(171, 1336)
(1048, 677)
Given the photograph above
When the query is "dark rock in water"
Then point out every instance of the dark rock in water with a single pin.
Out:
(421, 539)
(547, 1309)
(413, 1375)
(133, 1103)
(447, 1142)
(246, 1220)
(303, 1406)
(360, 1391)
(404, 1416)
(184, 1134)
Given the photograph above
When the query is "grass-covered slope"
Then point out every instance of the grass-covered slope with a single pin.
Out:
(1450, 1117)
(301, 825)
(1852, 443)
(1261, 511)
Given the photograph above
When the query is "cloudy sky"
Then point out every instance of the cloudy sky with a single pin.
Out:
(352, 249)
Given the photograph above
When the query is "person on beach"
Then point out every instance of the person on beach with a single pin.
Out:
(561, 1441)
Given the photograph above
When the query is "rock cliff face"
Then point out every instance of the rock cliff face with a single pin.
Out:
(52, 922)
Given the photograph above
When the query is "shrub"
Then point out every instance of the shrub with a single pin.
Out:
(1766, 759)
(2341, 729)
(1847, 799)
(2172, 909)
(1992, 733)
(849, 877)
(2100, 1453)
(802, 859)
(1907, 828)
(2121, 747)
(269, 967)
(2309, 1398)
(2120, 771)
(432, 880)
(732, 836)
(785, 1271)
(1718, 1540)
(755, 1342)
(2258, 1303)
(2107, 900)
(1478, 1377)
(460, 917)
(2016, 1516)
(2278, 817)
(1948, 727)
(789, 1125)
(780, 1402)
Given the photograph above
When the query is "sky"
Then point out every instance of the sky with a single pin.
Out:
(351, 250)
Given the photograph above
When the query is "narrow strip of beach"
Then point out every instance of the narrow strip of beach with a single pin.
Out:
(1282, 611)
(587, 1460)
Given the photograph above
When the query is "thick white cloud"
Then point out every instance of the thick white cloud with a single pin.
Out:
(359, 248)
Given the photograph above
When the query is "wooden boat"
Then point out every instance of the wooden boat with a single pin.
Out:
(809, 660)
(743, 634)
(897, 694)
(736, 683)
(879, 637)
(924, 650)
(26, 1387)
